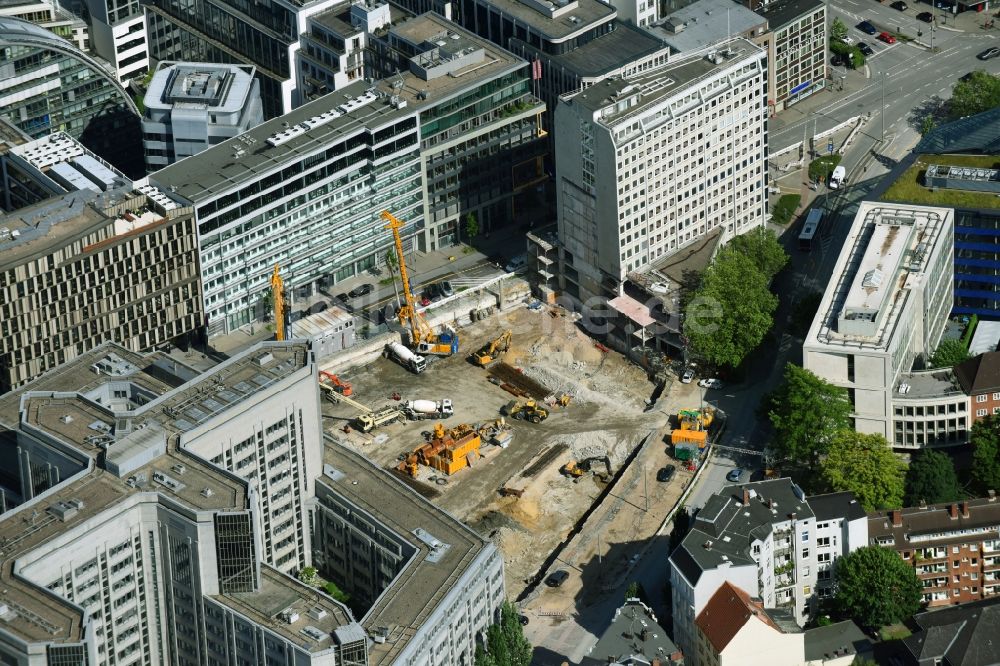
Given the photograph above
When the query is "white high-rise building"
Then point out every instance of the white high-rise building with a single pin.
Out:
(651, 163)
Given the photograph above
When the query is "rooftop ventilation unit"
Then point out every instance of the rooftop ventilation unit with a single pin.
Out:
(313, 633)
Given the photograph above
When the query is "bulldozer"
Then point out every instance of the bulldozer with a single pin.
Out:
(529, 410)
(575, 470)
(492, 350)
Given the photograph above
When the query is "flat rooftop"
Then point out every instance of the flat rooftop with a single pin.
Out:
(707, 22)
(781, 12)
(219, 87)
(46, 226)
(422, 584)
(910, 186)
(656, 85)
(609, 52)
(554, 21)
(292, 610)
(927, 384)
(885, 256)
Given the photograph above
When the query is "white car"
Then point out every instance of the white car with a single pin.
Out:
(687, 376)
(847, 39)
(711, 383)
(659, 287)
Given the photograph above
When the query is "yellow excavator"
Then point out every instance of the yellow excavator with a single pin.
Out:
(423, 340)
(529, 410)
(493, 350)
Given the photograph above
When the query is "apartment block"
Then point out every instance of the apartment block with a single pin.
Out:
(980, 380)
(88, 265)
(765, 539)
(118, 35)
(796, 50)
(885, 308)
(52, 17)
(428, 583)
(954, 548)
(653, 163)
(191, 106)
(332, 49)
(142, 551)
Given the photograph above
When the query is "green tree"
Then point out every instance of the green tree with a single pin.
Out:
(985, 439)
(978, 92)
(336, 592)
(471, 226)
(505, 641)
(762, 246)
(391, 260)
(927, 125)
(876, 587)
(949, 354)
(635, 590)
(308, 575)
(806, 413)
(682, 525)
(838, 30)
(932, 477)
(865, 465)
(731, 311)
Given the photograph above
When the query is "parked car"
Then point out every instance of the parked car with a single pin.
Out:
(899, 5)
(518, 263)
(523, 619)
(432, 291)
(659, 287)
(687, 376)
(868, 28)
(711, 383)
(425, 299)
(991, 52)
(556, 578)
(445, 288)
(343, 297)
(837, 178)
(847, 39)
(926, 17)
(865, 49)
(664, 474)
(317, 307)
(887, 38)
(837, 60)
(362, 290)
(734, 475)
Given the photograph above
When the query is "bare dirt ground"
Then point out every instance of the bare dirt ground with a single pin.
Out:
(605, 417)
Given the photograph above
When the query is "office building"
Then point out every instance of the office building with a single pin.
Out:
(428, 583)
(264, 35)
(960, 636)
(191, 106)
(796, 50)
(48, 85)
(118, 35)
(954, 548)
(765, 539)
(91, 262)
(634, 638)
(332, 48)
(885, 308)
(306, 191)
(140, 550)
(651, 164)
(980, 380)
(49, 15)
(701, 24)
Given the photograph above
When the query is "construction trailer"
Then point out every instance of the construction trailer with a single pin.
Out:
(448, 451)
(692, 427)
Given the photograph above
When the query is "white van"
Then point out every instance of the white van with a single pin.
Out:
(837, 178)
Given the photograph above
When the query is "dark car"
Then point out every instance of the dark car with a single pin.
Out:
(664, 474)
(837, 60)
(926, 17)
(865, 49)
(342, 297)
(317, 307)
(362, 290)
(868, 28)
(991, 52)
(899, 5)
(556, 578)
(523, 619)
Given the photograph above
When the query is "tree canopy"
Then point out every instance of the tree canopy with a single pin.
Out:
(932, 478)
(985, 440)
(762, 246)
(838, 30)
(949, 354)
(731, 310)
(505, 641)
(682, 525)
(875, 587)
(806, 413)
(978, 92)
(865, 465)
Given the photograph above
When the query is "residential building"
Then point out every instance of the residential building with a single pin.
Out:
(884, 310)
(48, 85)
(191, 106)
(634, 638)
(407, 563)
(83, 266)
(118, 35)
(840, 520)
(145, 552)
(796, 50)
(49, 15)
(652, 164)
(961, 636)
(736, 630)
(332, 51)
(443, 140)
(264, 35)
(980, 380)
(955, 548)
(700, 25)
(762, 538)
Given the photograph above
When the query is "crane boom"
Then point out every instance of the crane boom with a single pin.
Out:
(420, 331)
(278, 296)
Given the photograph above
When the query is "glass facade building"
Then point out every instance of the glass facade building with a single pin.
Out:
(977, 263)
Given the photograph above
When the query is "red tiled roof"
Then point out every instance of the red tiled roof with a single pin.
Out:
(729, 609)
